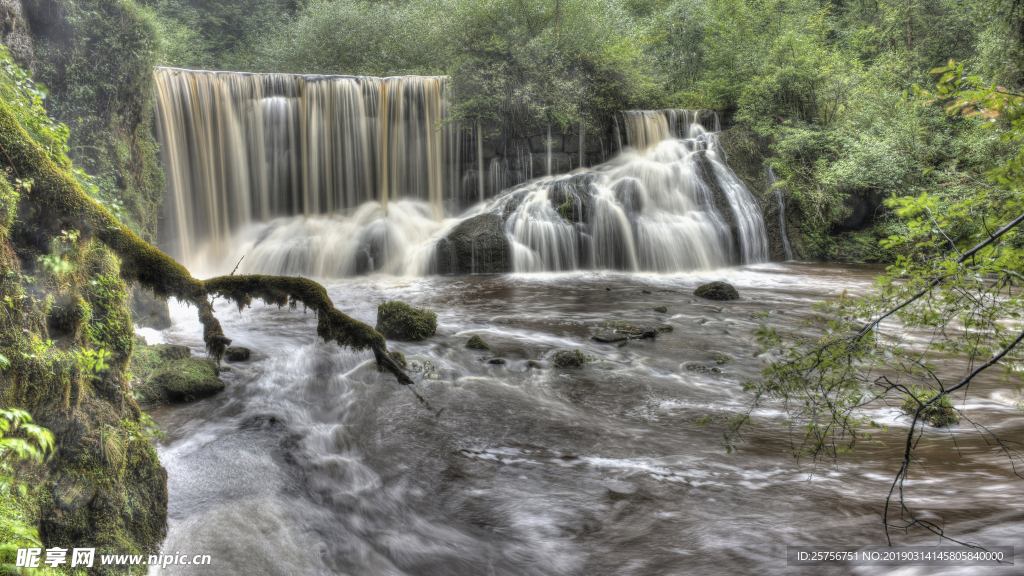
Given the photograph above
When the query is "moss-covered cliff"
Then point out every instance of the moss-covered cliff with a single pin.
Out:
(66, 338)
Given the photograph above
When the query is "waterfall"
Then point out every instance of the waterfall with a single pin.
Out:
(329, 176)
(646, 128)
(772, 183)
(245, 148)
(665, 205)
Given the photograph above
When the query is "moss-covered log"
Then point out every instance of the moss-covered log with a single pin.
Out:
(332, 324)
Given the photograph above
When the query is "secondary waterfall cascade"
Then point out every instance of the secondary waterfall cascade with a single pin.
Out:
(333, 176)
(782, 214)
(667, 203)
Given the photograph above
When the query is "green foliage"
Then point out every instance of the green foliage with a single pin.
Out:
(96, 57)
(216, 35)
(20, 440)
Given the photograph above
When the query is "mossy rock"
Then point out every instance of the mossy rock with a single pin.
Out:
(717, 291)
(237, 354)
(398, 357)
(187, 380)
(630, 331)
(661, 309)
(168, 373)
(170, 351)
(568, 359)
(701, 369)
(477, 343)
(939, 414)
(399, 321)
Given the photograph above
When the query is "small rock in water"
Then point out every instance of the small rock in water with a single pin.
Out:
(568, 359)
(477, 343)
(701, 369)
(237, 354)
(534, 364)
(610, 337)
(608, 289)
(648, 332)
(717, 291)
(496, 361)
(646, 292)
(398, 357)
(661, 309)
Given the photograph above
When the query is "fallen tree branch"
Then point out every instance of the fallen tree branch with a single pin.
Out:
(332, 324)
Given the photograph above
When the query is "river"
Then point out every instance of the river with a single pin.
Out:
(312, 462)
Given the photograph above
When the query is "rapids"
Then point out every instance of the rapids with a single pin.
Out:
(312, 462)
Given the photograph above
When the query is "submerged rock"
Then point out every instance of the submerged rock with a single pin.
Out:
(661, 309)
(496, 361)
(701, 369)
(476, 246)
(610, 337)
(477, 343)
(624, 331)
(717, 291)
(399, 321)
(237, 354)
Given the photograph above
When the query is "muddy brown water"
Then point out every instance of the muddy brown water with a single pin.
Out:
(312, 462)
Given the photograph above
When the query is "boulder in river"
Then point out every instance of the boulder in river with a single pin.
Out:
(477, 343)
(476, 246)
(399, 321)
(661, 309)
(568, 359)
(237, 354)
(717, 291)
(187, 380)
(168, 373)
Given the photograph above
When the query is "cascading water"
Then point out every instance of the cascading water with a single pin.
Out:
(772, 181)
(245, 148)
(672, 206)
(333, 176)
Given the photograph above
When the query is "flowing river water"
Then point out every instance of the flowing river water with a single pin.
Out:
(312, 462)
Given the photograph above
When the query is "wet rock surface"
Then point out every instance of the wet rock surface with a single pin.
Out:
(476, 246)
(717, 291)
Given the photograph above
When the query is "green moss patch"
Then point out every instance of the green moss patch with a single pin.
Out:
(477, 343)
(941, 413)
(403, 322)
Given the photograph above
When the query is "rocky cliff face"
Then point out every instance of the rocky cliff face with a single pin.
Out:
(15, 34)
